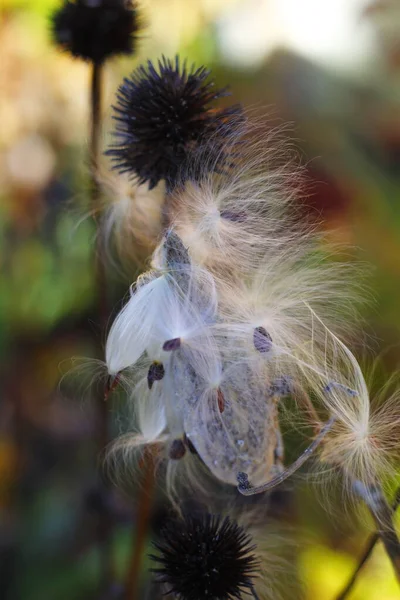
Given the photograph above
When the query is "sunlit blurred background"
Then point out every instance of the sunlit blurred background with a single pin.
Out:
(331, 72)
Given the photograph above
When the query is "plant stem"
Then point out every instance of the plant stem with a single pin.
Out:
(367, 553)
(383, 516)
(246, 489)
(374, 538)
(139, 536)
(105, 519)
(95, 105)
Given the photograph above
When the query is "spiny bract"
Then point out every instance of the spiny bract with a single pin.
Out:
(95, 30)
(206, 558)
(165, 118)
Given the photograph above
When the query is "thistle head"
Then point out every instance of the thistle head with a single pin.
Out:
(206, 557)
(95, 30)
(164, 117)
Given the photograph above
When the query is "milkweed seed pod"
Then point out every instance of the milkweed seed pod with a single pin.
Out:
(214, 385)
(242, 307)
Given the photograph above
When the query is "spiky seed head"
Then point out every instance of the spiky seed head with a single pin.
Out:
(95, 30)
(206, 557)
(165, 118)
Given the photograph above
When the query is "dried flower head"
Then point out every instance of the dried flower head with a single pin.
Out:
(164, 118)
(95, 30)
(206, 558)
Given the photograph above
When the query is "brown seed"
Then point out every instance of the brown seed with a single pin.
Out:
(156, 373)
(171, 345)
(221, 401)
(177, 450)
(262, 339)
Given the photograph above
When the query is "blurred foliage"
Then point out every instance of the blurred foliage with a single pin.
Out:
(348, 125)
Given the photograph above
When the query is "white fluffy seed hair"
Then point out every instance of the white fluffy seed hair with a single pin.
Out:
(131, 221)
(232, 220)
(364, 442)
(126, 460)
(162, 307)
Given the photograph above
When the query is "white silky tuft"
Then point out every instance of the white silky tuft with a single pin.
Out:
(132, 218)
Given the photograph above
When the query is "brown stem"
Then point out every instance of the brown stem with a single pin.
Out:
(13, 432)
(383, 516)
(105, 519)
(95, 117)
(366, 554)
(139, 536)
(95, 131)
(374, 538)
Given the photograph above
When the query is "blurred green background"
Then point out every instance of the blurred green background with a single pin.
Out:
(329, 70)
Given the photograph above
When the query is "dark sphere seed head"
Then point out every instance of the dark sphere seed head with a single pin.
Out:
(205, 558)
(165, 122)
(95, 30)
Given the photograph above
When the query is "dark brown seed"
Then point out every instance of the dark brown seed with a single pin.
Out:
(262, 339)
(156, 373)
(221, 401)
(171, 345)
(177, 450)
